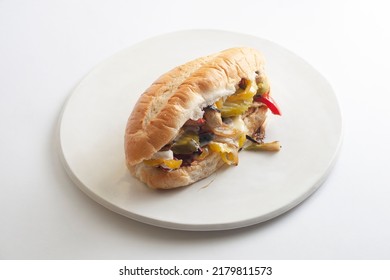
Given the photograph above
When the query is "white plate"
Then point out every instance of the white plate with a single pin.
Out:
(263, 186)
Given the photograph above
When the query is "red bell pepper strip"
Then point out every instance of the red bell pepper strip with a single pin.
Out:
(268, 101)
(201, 121)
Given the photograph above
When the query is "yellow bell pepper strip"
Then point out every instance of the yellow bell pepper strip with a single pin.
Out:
(168, 163)
(270, 147)
(239, 102)
(228, 154)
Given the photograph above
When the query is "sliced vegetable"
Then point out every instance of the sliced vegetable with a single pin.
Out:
(228, 153)
(239, 102)
(186, 143)
(252, 139)
(268, 101)
(201, 121)
(168, 163)
(204, 154)
(242, 95)
(226, 131)
(219, 103)
(241, 140)
(263, 87)
(197, 122)
(271, 147)
(231, 109)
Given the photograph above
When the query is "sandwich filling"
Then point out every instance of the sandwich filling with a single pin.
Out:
(222, 129)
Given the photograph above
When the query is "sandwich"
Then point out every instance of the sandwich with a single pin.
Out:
(197, 117)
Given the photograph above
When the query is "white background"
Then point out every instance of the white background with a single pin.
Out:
(47, 47)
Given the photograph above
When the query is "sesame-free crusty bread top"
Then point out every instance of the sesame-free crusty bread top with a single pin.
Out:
(180, 95)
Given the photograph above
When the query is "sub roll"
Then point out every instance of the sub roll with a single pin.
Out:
(197, 117)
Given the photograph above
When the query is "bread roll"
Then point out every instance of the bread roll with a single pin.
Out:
(221, 85)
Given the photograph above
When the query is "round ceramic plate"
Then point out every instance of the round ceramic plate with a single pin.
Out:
(261, 187)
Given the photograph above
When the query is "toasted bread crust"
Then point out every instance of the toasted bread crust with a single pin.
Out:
(157, 178)
(180, 94)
